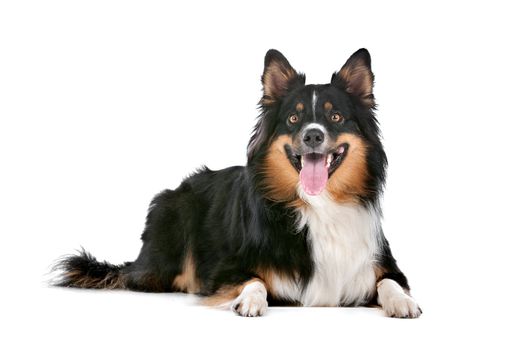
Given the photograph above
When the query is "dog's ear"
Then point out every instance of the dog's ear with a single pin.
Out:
(278, 78)
(356, 77)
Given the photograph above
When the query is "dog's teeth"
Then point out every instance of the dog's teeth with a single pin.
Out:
(340, 150)
(302, 161)
(329, 160)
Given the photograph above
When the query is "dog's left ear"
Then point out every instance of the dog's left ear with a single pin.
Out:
(278, 78)
(356, 77)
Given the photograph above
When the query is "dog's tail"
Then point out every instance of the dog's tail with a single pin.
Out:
(84, 271)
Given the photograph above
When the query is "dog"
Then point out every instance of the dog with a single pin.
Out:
(300, 224)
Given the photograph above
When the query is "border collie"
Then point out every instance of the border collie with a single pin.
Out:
(300, 224)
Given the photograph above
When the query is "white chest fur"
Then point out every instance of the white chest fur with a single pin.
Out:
(344, 244)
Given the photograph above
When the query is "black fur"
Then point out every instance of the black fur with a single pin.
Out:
(84, 271)
(223, 218)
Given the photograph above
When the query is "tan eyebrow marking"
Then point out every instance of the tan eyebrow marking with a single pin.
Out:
(299, 107)
(328, 105)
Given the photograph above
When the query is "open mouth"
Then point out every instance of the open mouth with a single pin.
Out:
(315, 168)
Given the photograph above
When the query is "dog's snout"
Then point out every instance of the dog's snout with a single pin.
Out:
(313, 138)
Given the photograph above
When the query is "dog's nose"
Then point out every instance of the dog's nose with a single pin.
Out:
(313, 138)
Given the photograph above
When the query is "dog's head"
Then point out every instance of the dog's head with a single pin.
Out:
(316, 138)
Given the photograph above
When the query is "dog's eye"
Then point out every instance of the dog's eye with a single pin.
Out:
(294, 118)
(336, 118)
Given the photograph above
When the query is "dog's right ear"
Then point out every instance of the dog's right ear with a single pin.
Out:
(278, 77)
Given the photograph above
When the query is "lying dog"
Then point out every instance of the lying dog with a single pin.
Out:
(299, 224)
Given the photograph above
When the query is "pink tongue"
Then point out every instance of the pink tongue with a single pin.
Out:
(314, 174)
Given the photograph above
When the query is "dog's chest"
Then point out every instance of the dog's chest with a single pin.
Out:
(343, 241)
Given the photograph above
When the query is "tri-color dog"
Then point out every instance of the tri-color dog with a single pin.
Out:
(299, 224)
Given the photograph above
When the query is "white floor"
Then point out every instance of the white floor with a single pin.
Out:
(45, 318)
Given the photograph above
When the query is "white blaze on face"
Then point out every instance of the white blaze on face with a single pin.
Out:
(314, 103)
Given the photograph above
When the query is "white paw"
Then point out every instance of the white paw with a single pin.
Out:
(395, 302)
(401, 306)
(252, 301)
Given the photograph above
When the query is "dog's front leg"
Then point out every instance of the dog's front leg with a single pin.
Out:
(246, 299)
(395, 301)
(393, 291)
(252, 299)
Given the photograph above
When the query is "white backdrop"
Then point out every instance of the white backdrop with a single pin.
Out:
(105, 103)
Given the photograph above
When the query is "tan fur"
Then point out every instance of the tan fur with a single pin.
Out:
(227, 294)
(269, 275)
(299, 107)
(328, 106)
(280, 177)
(349, 180)
(187, 281)
(379, 272)
(344, 185)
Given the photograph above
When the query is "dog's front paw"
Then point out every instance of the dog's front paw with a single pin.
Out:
(395, 302)
(252, 301)
(250, 306)
(401, 306)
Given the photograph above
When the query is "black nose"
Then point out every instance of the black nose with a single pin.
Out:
(313, 138)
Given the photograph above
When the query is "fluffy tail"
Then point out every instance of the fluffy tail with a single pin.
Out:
(84, 271)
